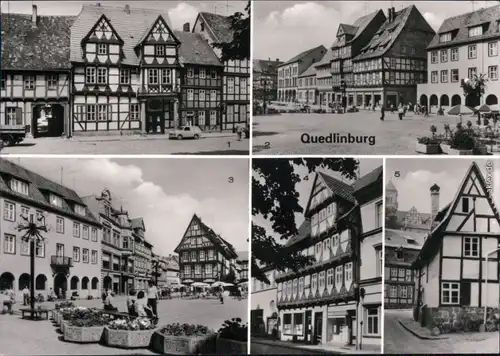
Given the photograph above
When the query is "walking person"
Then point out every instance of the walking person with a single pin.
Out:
(153, 298)
(239, 131)
(131, 299)
(221, 292)
(26, 295)
(382, 113)
(426, 111)
(400, 113)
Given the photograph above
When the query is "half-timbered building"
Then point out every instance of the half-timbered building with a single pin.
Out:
(143, 255)
(318, 304)
(387, 70)
(236, 80)
(204, 256)
(457, 267)
(35, 72)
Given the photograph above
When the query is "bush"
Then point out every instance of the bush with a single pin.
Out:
(177, 329)
(462, 140)
(234, 330)
(428, 140)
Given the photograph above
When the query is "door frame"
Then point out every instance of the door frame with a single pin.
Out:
(308, 327)
(318, 336)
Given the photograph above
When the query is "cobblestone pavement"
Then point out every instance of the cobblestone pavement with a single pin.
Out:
(281, 134)
(24, 337)
(397, 340)
(130, 145)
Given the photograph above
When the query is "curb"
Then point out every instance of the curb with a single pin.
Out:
(414, 333)
(293, 347)
(141, 138)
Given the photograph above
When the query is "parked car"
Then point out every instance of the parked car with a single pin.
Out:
(42, 125)
(185, 132)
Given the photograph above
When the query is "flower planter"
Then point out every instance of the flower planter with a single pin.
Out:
(184, 345)
(91, 334)
(63, 324)
(230, 347)
(460, 152)
(445, 148)
(56, 315)
(128, 339)
(430, 149)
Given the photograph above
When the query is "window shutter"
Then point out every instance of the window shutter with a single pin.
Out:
(19, 116)
(465, 294)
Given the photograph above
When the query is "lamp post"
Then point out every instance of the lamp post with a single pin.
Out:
(157, 264)
(32, 233)
(359, 295)
(486, 284)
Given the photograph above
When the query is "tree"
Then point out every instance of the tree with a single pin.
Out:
(239, 47)
(274, 196)
(230, 277)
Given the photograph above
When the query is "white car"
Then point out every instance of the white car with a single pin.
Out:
(185, 132)
(42, 124)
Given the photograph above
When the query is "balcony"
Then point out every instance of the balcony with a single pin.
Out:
(61, 261)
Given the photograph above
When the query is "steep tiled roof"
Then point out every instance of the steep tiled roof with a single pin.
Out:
(39, 188)
(137, 223)
(195, 50)
(406, 239)
(219, 25)
(45, 47)
(216, 237)
(130, 27)
(326, 59)
(261, 65)
(348, 29)
(309, 71)
(301, 55)
(338, 187)
(460, 26)
(304, 232)
(368, 179)
(358, 27)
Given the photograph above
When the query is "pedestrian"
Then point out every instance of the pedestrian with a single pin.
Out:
(26, 295)
(405, 109)
(141, 307)
(131, 299)
(426, 111)
(153, 298)
(108, 302)
(221, 292)
(382, 113)
(400, 113)
(104, 295)
(239, 131)
(10, 299)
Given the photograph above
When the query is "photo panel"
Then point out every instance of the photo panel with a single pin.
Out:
(317, 245)
(442, 243)
(127, 253)
(375, 77)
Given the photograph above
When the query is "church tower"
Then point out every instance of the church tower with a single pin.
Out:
(391, 198)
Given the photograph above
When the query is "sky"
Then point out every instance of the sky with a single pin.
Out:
(164, 192)
(416, 176)
(304, 189)
(302, 25)
(180, 11)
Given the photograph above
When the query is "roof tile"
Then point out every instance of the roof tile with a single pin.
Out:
(220, 26)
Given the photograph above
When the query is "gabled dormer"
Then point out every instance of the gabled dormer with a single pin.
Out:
(159, 46)
(102, 44)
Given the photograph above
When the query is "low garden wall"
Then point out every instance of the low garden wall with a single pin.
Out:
(459, 319)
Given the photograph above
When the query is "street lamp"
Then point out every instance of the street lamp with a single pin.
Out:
(157, 264)
(32, 233)
(486, 283)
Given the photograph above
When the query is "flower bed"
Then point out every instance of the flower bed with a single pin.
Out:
(232, 338)
(184, 339)
(89, 330)
(129, 334)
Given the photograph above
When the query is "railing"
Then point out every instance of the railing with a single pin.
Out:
(61, 261)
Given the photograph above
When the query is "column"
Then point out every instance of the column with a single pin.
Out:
(67, 120)
(176, 113)
(373, 100)
(143, 117)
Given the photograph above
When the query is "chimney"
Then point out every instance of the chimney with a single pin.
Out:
(34, 16)
(434, 204)
(277, 59)
(393, 13)
(127, 9)
(185, 27)
(389, 14)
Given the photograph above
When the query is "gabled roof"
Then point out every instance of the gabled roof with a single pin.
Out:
(150, 28)
(325, 60)
(358, 27)
(304, 231)
(39, 189)
(195, 50)
(301, 55)
(219, 26)
(138, 223)
(460, 25)
(368, 179)
(309, 71)
(130, 27)
(390, 186)
(347, 29)
(261, 65)
(338, 187)
(45, 47)
(405, 239)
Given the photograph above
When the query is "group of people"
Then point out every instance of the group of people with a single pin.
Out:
(8, 299)
(403, 109)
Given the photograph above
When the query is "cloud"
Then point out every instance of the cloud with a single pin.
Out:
(181, 14)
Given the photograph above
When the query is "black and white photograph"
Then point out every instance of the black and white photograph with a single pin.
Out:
(110, 77)
(124, 256)
(442, 243)
(316, 256)
(376, 77)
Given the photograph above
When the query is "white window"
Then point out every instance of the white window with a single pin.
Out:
(190, 73)
(230, 85)
(94, 257)
(348, 273)
(52, 82)
(166, 76)
(450, 293)
(134, 112)
(55, 200)
(124, 76)
(29, 82)
(493, 72)
(475, 31)
(19, 186)
(243, 85)
(159, 50)
(454, 54)
(202, 95)
(76, 254)
(91, 113)
(213, 74)
(153, 76)
(403, 292)
(472, 72)
(492, 49)
(80, 209)
(76, 229)
(445, 37)
(197, 269)
(60, 225)
(472, 50)
(339, 276)
(314, 281)
(39, 249)
(9, 211)
(322, 280)
(444, 56)
(213, 118)
(454, 75)
(102, 112)
(372, 321)
(9, 244)
(12, 116)
(434, 76)
(202, 73)
(329, 277)
(471, 246)
(208, 269)
(444, 76)
(85, 255)
(85, 232)
(201, 118)
(102, 76)
(318, 248)
(213, 95)
(102, 48)
(434, 56)
(90, 75)
(190, 94)
(393, 292)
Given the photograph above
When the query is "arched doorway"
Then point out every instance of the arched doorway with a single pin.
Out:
(491, 100)
(472, 101)
(456, 100)
(48, 120)
(444, 100)
(107, 283)
(95, 282)
(74, 283)
(6, 281)
(433, 101)
(24, 281)
(423, 100)
(40, 282)
(85, 283)
(60, 284)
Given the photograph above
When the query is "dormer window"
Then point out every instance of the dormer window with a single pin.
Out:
(160, 50)
(55, 200)
(102, 48)
(19, 186)
(445, 37)
(190, 73)
(475, 31)
(80, 209)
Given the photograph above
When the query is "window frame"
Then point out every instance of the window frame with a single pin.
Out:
(469, 243)
(449, 288)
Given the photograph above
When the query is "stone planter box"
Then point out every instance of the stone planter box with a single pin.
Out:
(431, 149)
(458, 152)
(184, 345)
(92, 334)
(445, 148)
(481, 150)
(230, 347)
(56, 315)
(128, 339)
(63, 325)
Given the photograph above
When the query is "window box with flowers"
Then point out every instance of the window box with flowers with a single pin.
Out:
(184, 339)
(129, 334)
(428, 145)
(232, 338)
